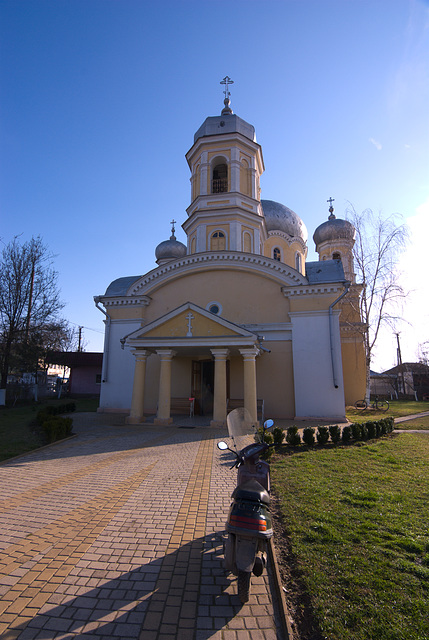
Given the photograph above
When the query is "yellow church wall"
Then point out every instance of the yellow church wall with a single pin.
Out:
(353, 359)
(312, 302)
(248, 298)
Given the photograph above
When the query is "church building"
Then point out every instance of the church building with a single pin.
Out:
(237, 317)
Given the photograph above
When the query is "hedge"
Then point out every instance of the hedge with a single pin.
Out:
(357, 431)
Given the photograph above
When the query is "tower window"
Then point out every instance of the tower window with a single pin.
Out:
(220, 178)
(336, 256)
(218, 241)
(298, 262)
(277, 254)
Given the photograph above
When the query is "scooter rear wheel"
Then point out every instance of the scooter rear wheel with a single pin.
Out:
(243, 582)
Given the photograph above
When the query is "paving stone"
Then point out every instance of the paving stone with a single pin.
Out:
(127, 530)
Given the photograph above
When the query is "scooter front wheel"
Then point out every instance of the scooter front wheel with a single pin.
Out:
(243, 582)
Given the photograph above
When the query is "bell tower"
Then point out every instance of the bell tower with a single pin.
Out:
(226, 164)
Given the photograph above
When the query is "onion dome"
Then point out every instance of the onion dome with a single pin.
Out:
(280, 218)
(334, 229)
(170, 249)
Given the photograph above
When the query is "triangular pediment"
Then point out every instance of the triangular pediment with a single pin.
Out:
(193, 324)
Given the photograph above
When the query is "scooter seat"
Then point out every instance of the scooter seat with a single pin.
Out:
(252, 491)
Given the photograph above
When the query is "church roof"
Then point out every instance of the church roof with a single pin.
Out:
(227, 123)
(278, 217)
(324, 271)
(120, 286)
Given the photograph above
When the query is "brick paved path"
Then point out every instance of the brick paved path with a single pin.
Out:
(118, 534)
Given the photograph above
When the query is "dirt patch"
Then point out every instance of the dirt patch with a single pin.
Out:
(302, 619)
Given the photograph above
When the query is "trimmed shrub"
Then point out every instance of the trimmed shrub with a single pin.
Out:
(278, 435)
(356, 431)
(335, 433)
(292, 436)
(308, 436)
(54, 410)
(364, 431)
(372, 430)
(57, 428)
(347, 433)
(322, 435)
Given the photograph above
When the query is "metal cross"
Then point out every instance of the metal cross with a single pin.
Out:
(226, 81)
(189, 318)
(173, 222)
(331, 200)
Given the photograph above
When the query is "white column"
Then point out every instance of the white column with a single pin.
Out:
(164, 397)
(234, 168)
(137, 402)
(204, 177)
(219, 399)
(249, 375)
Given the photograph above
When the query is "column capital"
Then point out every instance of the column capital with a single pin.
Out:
(166, 354)
(140, 354)
(220, 354)
(250, 353)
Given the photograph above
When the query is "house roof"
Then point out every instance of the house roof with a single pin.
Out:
(411, 367)
(72, 359)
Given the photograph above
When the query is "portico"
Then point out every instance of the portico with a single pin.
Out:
(190, 334)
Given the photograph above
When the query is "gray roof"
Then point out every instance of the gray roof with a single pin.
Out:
(120, 286)
(334, 229)
(278, 217)
(324, 271)
(228, 123)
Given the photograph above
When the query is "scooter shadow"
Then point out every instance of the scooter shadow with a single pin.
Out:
(184, 594)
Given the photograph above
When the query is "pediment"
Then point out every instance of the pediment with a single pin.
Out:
(192, 323)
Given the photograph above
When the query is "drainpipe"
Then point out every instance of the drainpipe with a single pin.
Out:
(331, 332)
(106, 339)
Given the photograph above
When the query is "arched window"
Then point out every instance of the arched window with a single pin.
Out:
(193, 244)
(298, 261)
(277, 254)
(220, 178)
(218, 241)
(336, 256)
(247, 242)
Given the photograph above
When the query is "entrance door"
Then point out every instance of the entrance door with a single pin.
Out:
(202, 385)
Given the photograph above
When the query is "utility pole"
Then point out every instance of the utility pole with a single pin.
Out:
(79, 348)
(399, 360)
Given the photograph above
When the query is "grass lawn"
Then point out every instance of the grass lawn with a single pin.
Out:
(397, 409)
(417, 423)
(18, 432)
(356, 518)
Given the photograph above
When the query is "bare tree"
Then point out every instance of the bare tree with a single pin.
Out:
(29, 297)
(378, 245)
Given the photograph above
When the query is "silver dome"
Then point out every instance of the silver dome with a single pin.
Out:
(280, 218)
(334, 229)
(170, 249)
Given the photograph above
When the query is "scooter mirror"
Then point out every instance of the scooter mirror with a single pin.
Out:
(268, 424)
(222, 446)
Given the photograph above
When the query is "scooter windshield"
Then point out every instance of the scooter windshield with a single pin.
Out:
(241, 427)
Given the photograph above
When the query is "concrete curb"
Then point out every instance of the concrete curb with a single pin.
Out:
(279, 593)
(46, 446)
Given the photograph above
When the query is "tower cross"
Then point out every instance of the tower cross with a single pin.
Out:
(226, 81)
(331, 200)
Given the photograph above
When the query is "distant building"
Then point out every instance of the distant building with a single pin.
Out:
(411, 379)
(236, 315)
(85, 371)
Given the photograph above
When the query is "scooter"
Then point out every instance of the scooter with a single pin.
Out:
(249, 524)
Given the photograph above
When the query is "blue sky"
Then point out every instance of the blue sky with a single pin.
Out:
(100, 99)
